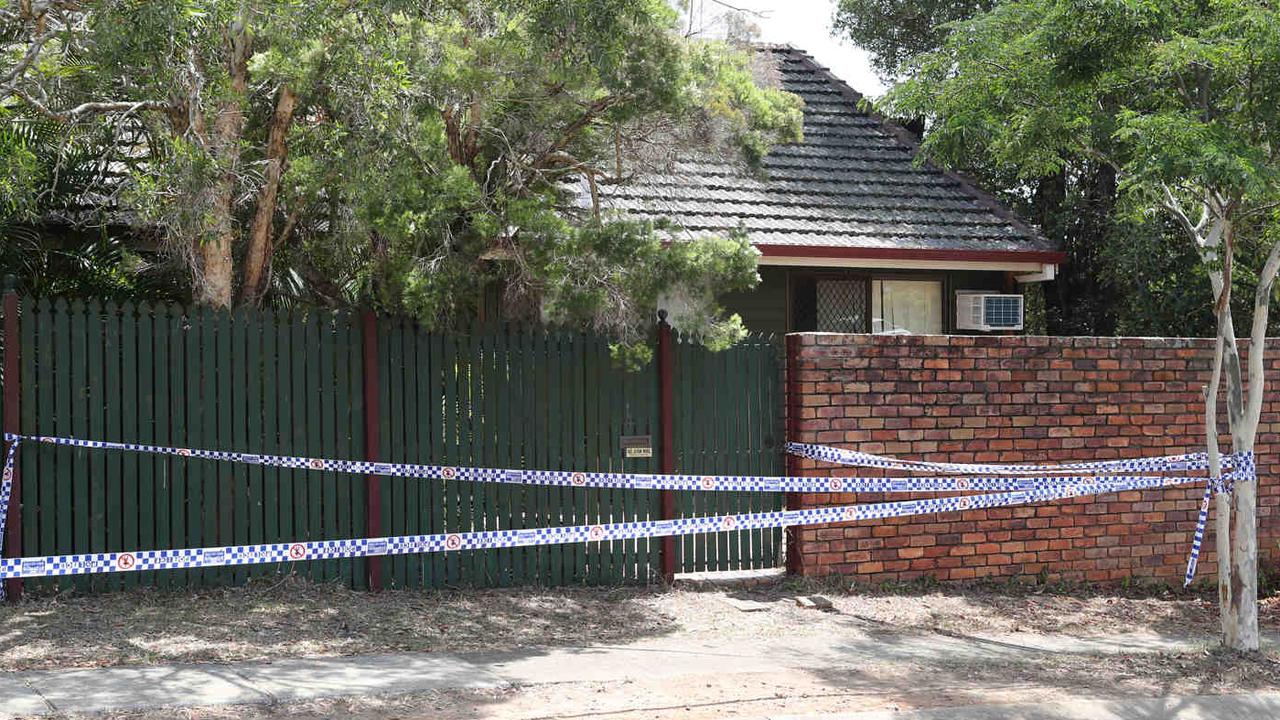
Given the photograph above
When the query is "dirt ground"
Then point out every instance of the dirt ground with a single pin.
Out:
(295, 619)
(876, 686)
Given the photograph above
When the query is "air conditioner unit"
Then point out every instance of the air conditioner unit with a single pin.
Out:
(977, 310)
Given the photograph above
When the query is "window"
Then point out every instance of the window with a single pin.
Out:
(842, 306)
(906, 306)
(828, 304)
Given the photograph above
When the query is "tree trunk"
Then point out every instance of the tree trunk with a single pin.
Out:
(214, 285)
(1244, 555)
(1226, 609)
(258, 256)
(1222, 503)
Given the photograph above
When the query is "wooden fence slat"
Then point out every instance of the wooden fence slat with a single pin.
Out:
(356, 421)
(449, 454)
(227, 476)
(251, 523)
(540, 448)
(344, 424)
(409, 421)
(393, 428)
(314, 446)
(515, 421)
(686, 461)
(594, 436)
(78, 427)
(96, 501)
(160, 430)
(301, 399)
(177, 424)
(328, 436)
(557, 426)
(32, 498)
(144, 432)
(498, 395)
(278, 425)
(195, 386)
(493, 515)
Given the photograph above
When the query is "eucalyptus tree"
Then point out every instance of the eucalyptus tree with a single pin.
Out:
(406, 151)
(1179, 98)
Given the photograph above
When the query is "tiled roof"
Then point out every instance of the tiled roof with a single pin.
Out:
(852, 183)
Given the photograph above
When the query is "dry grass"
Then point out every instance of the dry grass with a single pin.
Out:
(299, 619)
(295, 618)
(1000, 608)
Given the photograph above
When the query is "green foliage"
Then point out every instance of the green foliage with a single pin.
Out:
(894, 31)
(436, 149)
(1167, 92)
(1177, 98)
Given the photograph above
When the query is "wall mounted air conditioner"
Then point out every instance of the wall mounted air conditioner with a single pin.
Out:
(976, 310)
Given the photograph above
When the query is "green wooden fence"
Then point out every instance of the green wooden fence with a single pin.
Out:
(260, 381)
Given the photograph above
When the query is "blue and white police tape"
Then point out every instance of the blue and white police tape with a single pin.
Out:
(138, 560)
(1166, 463)
(565, 478)
(1240, 466)
(6, 488)
(1246, 472)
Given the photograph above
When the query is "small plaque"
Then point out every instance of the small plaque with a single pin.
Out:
(637, 446)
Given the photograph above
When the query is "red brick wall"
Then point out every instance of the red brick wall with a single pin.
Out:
(1012, 399)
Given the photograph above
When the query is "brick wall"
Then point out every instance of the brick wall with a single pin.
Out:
(1012, 399)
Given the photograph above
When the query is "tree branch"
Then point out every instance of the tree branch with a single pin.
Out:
(571, 130)
(9, 82)
(1258, 334)
(89, 108)
(1171, 203)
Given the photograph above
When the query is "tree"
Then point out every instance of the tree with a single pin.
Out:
(894, 31)
(1178, 98)
(413, 154)
(1072, 205)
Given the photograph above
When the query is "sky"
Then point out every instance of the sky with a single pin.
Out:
(806, 24)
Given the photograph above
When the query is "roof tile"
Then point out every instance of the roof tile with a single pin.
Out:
(853, 182)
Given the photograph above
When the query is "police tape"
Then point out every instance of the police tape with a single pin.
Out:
(1007, 477)
(6, 488)
(144, 560)
(1239, 467)
(608, 480)
(1165, 463)
(1245, 471)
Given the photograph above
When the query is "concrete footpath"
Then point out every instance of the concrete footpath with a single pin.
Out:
(44, 693)
(1257, 706)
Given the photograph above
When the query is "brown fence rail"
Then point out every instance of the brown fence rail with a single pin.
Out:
(294, 383)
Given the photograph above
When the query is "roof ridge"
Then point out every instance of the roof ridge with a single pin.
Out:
(906, 137)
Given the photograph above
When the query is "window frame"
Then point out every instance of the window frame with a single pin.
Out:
(943, 306)
(868, 276)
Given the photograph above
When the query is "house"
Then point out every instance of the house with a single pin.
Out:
(854, 235)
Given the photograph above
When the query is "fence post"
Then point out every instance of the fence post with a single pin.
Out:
(12, 378)
(372, 483)
(791, 401)
(667, 458)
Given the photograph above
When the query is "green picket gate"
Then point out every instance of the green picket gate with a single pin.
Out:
(293, 383)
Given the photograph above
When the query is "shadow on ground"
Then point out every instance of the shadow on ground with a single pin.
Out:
(295, 618)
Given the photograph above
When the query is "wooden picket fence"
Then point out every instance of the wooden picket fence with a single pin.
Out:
(294, 383)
